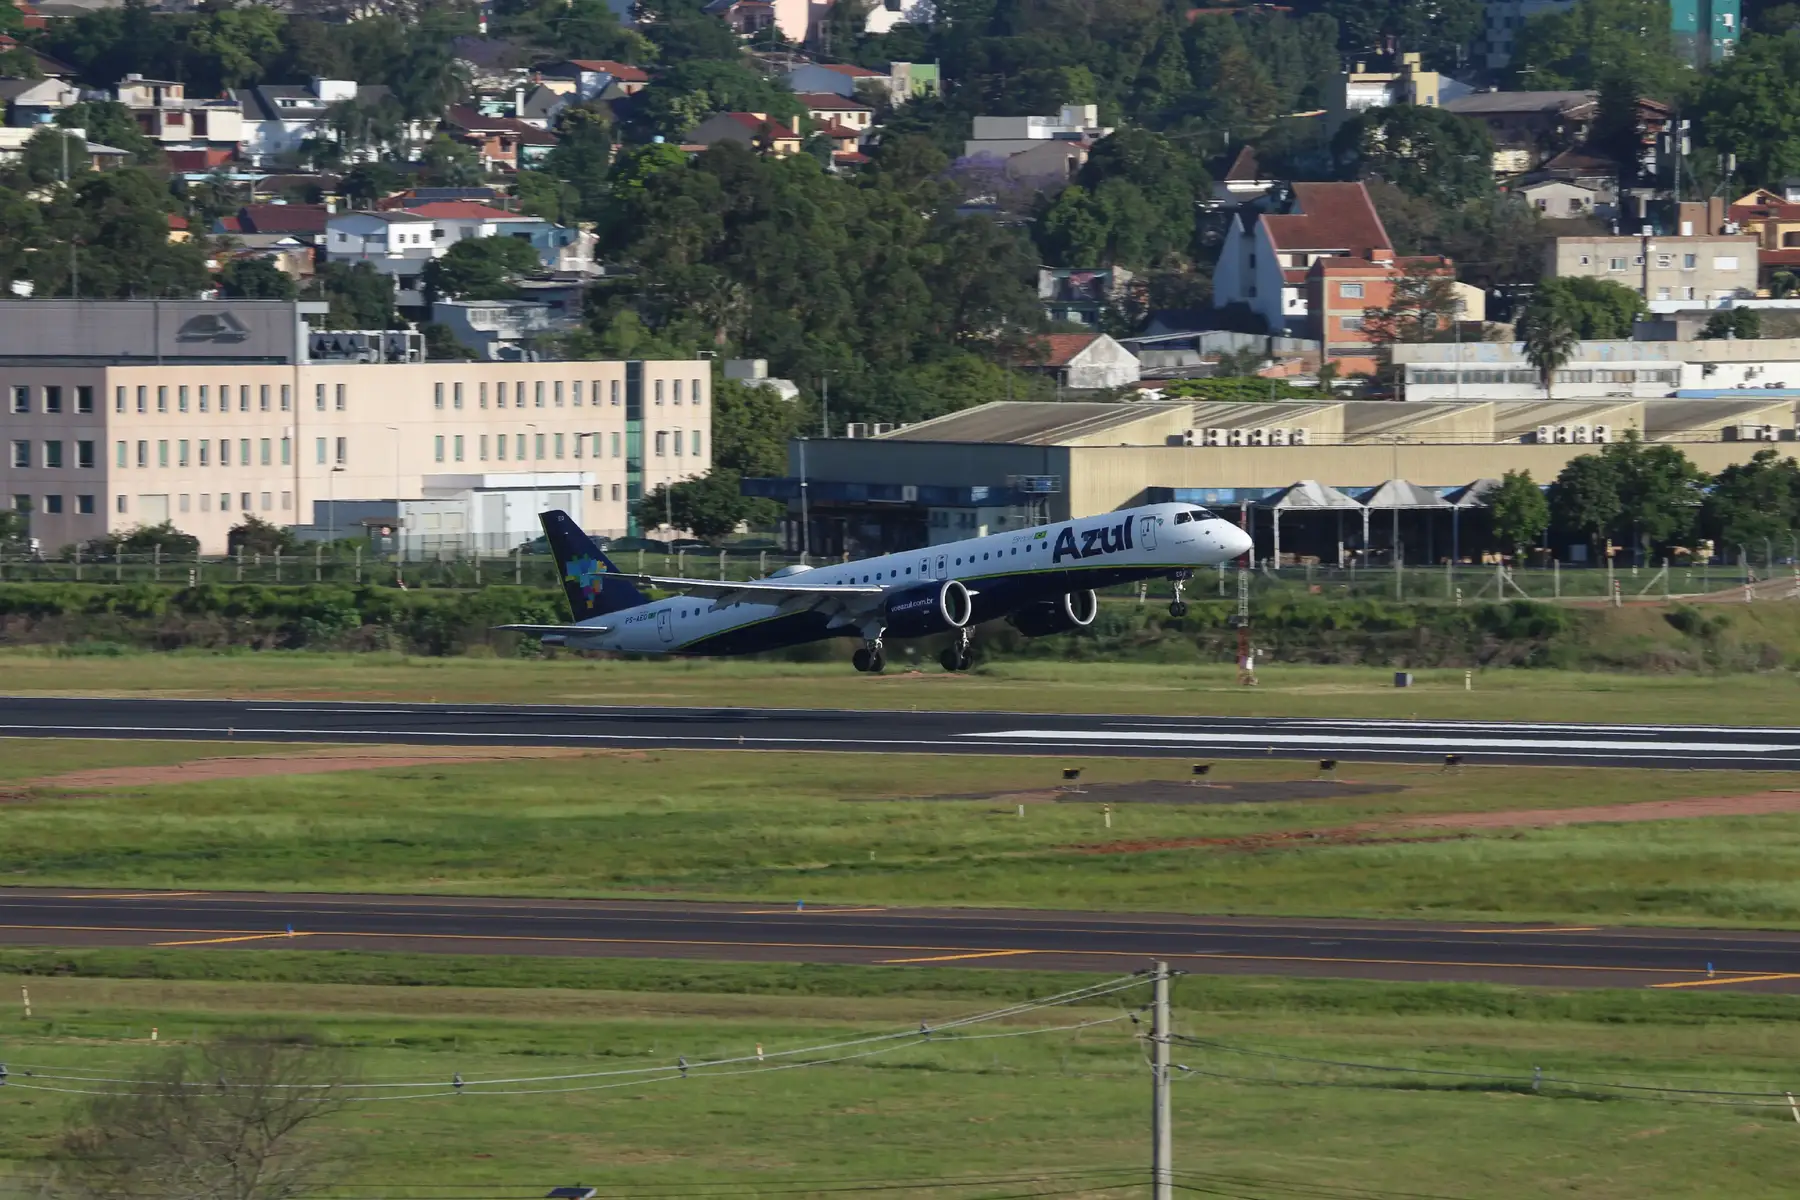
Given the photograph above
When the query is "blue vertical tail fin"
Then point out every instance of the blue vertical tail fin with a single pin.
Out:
(585, 570)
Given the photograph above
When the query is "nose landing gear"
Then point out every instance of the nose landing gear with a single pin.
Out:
(1178, 607)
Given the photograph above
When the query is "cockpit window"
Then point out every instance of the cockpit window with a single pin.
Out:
(1200, 514)
(1182, 518)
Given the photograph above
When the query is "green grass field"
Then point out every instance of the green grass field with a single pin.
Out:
(1284, 690)
(854, 829)
(1005, 1108)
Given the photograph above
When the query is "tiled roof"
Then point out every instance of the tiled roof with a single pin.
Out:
(461, 210)
(833, 129)
(623, 72)
(282, 218)
(831, 102)
(1331, 216)
(757, 125)
(1057, 349)
(847, 69)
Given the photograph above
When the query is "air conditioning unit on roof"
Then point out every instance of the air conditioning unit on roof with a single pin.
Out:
(882, 427)
(1546, 434)
(1581, 434)
(1215, 436)
(1603, 433)
(856, 429)
(1278, 437)
(1297, 437)
(1259, 436)
(1234, 437)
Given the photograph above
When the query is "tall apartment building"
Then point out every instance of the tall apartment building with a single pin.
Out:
(115, 414)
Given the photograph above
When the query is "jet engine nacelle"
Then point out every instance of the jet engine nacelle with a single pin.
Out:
(1072, 610)
(929, 608)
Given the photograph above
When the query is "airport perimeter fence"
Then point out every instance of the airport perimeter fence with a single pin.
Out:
(1453, 584)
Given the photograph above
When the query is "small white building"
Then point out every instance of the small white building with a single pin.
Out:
(1715, 368)
(1264, 261)
(1002, 137)
(1083, 361)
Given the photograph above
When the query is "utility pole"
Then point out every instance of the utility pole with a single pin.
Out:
(1162, 1176)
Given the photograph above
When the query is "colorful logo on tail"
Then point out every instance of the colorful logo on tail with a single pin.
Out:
(586, 574)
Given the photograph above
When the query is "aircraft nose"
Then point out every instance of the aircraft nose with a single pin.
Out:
(1235, 541)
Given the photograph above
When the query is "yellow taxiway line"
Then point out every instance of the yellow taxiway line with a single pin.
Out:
(1722, 980)
(956, 957)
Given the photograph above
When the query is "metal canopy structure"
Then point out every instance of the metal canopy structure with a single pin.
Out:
(1470, 495)
(1308, 495)
(1395, 496)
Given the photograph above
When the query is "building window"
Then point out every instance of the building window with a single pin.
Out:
(224, 452)
(481, 447)
(662, 444)
(181, 502)
(262, 397)
(1350, 291)
(519, 448)
(615, 393)
(119, 453)
(557, 387)
(206, 452)
(268, 501)
(243, 501)
(287, 501)
(575, 393)
(118, 399)
(319, 451)
(559, 445)
(143, 399)
(1587, 260)
(615, 445)
(21, 454)
(456, 395)
(181, 398)
(659, 391)
(695, 395)
(437, 395)
(267, 448)
(1615, 264)
(84, 505)
(694, 436)
(52, 399)
(318, 397)
(162, 452)
(53, 454)
(205, 501)
(224, 502)
(162, 399)
(678, 391)
(143, 453)
(21, 503)
(84, 455)
(481, 395)
(243, 452)
(457, 447)
(538, 394)
(205, 397)
(119, 504)
(343, 397)
(500, 394)
(437, 450)
(676, 435)
(181, 453)
(287, 397)
(287, 451)
(243, 397)
(1689, 262)
(615, 491)
(53, 505)
(539, 447)
(1350, 324)
(1728, 262)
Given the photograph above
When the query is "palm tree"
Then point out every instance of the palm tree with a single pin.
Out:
(1550, 341)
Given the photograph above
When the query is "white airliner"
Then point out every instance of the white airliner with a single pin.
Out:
(1041, 579)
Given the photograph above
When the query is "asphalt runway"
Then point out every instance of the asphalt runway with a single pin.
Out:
(1684, 747)
(1563, 956)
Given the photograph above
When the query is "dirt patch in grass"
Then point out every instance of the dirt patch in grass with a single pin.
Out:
(311, 761)
(1154, 791)
(1384, 832)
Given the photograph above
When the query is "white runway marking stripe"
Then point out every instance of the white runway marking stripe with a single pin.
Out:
(1260, 738)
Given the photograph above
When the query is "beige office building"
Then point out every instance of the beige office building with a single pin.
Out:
(92, 447)
(1699, 267)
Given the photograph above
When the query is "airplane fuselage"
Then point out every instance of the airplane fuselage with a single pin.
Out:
(1003, 572)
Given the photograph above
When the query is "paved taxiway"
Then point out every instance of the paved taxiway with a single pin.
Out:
(1672, 746)
(1560, 956)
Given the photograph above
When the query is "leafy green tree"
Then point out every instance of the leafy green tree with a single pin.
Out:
(581, 160)
(709, 507)
(1428, 152)
(48, 155)
(359, 296)
(148, 539)
(15, 528)
(1520, 511)
(1749, 105)
(1423, 307)
(449, 163)
(1438, 30)
(254, 535)
(255, 279)
(119, 223)
(751, 427)
(1584, 500)
(544, 195)
(1132, 204)
(25, 238)
(1242, 389)
(1753, 501)
(681, 95)
(441, 344)
(366, 184)
(1549, 339)
(110, 123)
(1628, 44)
(1744, 324)
(1659, 492)
(1595, 309)
(479, 269)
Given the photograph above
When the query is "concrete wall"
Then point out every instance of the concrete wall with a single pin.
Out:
(393, 426)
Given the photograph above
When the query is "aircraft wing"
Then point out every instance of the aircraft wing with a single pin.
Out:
(559, 630)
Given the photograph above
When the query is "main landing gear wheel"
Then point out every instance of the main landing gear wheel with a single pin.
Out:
(953, 661)
(1178, 608)
(872, 661)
